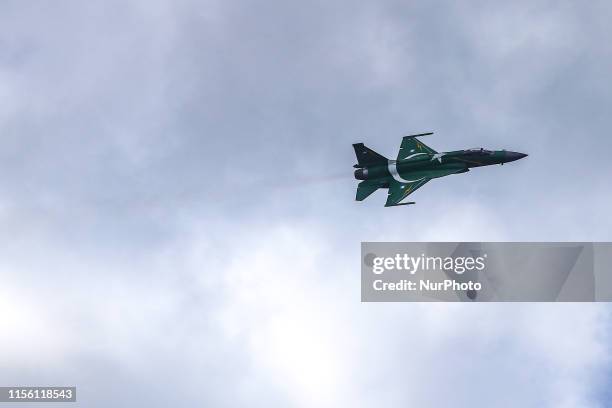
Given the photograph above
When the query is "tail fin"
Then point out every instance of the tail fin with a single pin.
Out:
(367, 156)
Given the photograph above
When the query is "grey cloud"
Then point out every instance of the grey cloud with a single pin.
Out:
(144, 143)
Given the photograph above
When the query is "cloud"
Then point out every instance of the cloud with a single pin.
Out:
(276, 318)
(172, 208)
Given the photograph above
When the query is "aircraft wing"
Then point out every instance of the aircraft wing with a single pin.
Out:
(398, 192)
(412, 147)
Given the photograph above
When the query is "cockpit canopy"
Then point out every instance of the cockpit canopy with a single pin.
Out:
(479, 151)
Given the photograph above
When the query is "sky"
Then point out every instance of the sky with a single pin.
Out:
(177, 215)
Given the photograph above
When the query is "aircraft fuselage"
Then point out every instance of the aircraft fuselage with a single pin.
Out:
(415, 165)
(420, 164)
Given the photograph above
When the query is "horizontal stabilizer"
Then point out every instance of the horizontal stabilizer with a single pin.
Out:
(364, 189)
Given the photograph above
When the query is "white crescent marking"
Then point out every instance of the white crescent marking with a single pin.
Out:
(412, 155)
(392, 166)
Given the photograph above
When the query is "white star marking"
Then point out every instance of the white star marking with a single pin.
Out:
(438, 156)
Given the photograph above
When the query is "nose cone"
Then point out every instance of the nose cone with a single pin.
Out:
(512, 156)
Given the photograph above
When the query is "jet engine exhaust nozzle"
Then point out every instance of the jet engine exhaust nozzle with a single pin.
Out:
(361, 174)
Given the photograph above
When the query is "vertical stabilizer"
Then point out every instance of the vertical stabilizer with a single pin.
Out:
(367, 157)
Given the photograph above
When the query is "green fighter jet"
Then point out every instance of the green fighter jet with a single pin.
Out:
(416, 164)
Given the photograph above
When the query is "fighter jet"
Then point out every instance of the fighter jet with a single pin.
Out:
(415, 165)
